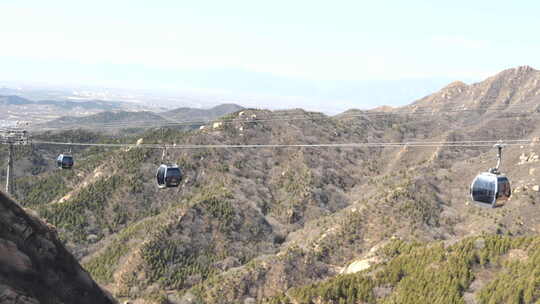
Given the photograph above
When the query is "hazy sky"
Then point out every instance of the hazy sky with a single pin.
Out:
(324, 51)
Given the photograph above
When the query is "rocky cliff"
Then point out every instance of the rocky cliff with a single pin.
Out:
(34, 265)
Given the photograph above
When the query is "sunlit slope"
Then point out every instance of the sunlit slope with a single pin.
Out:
(251, 223)
(485, 269)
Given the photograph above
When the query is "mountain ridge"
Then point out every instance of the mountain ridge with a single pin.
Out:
(509, 87)
(65, 104)
(144, 119)
(252, 224)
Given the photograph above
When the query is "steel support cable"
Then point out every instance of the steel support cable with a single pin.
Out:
(483, 143)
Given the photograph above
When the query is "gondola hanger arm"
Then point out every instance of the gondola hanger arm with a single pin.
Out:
(164, 154)
(499, 147)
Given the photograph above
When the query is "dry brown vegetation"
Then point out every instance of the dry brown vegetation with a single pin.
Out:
(262, 223)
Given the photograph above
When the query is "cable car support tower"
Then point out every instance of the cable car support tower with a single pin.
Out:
(11, 137)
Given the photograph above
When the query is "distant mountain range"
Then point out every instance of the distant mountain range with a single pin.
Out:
(183, 114)
(99, 113)
(13, 100)
(16, 108)
(133, 119)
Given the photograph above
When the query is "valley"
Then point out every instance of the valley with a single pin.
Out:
(366, 224)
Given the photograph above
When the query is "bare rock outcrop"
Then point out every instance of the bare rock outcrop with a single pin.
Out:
(35, 268)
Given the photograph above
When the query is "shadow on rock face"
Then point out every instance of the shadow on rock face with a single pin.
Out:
(34, 265)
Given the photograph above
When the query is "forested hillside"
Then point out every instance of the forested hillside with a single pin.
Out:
(386, 224)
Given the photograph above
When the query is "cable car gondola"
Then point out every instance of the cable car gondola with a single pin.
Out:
(491, 189)
(168, 176)
(64, 161)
